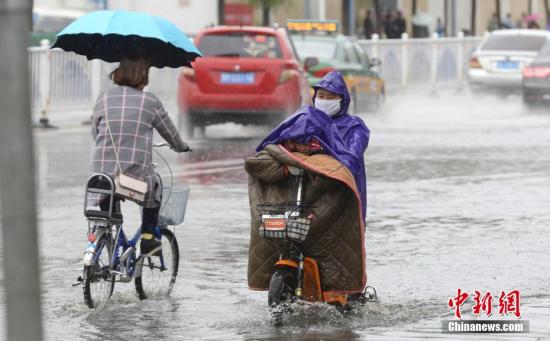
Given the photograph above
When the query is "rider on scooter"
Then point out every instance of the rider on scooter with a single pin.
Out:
(337, 194)
(347, 143)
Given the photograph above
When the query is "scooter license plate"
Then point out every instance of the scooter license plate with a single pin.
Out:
(274, 224)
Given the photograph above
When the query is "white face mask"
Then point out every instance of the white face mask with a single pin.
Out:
(329, 106)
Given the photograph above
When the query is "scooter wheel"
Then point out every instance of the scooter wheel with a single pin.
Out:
(281, 292)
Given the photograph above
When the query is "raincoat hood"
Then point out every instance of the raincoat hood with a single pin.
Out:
(343, 136)
(334, 82)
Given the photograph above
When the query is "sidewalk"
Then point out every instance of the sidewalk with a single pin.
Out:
(80, 117)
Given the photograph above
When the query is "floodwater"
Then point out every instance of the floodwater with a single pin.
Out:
(458, 197)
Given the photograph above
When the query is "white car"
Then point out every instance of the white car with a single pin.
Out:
(499, 60)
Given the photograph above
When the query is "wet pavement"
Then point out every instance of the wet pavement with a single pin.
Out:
(458, 197)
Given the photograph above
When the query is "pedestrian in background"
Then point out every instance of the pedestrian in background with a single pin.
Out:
(390, 26)
(507, 22)
(522, 22)
(368, 25)
(532, 24)
(440, 28)
(400, 23)
(493, 23)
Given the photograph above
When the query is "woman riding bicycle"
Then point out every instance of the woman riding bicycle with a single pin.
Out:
(132, 116)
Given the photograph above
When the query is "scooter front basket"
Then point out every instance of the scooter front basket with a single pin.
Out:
(289, 221)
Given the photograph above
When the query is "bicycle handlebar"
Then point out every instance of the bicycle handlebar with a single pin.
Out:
(162, 144)
(165, 144)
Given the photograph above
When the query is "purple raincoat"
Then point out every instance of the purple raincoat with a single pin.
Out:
(343, 136)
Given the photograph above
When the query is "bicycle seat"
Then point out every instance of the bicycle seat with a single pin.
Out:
(103, 186)
(115, 219)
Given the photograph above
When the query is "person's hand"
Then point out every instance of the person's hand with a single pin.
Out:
(302, 148)
(186, 148)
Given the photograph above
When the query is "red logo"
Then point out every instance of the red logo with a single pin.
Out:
(275, 223)
(458, 301)
(507, 303)
(483, 303)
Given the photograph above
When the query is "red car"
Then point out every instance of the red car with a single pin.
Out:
(248, 75)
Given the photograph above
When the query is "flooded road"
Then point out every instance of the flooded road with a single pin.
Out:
(458, 197)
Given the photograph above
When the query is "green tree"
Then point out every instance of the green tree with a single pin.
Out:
(267, 6)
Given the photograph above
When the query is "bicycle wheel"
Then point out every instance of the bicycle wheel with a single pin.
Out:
(98, 282)
(158, 273)
(281, 293)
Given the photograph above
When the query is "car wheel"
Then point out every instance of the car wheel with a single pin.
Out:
(186, 125)
(202, 129)
(376, 104)
(529, 104)
(354, 105)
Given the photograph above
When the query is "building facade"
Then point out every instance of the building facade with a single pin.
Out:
(193, 15)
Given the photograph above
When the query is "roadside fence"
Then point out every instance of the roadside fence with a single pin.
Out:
(426, 61)
(63, 81)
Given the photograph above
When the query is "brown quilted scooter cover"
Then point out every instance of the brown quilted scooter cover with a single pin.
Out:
(336, 238)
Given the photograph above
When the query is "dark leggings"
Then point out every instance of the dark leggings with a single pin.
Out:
(149, 218)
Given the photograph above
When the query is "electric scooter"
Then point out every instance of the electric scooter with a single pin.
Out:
(296, 276)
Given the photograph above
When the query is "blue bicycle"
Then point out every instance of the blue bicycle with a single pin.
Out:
(111, 257)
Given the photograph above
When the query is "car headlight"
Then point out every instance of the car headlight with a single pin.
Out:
(474, 63)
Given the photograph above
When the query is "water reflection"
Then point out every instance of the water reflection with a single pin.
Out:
(458, 197)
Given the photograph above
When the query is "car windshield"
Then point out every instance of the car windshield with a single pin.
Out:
(322, 49)
(514, 43)
(240, 44)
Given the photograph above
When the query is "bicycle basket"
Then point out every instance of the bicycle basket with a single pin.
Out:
(285, 221)
(174, 203)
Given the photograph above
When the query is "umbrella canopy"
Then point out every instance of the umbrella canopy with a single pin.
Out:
(113, 35)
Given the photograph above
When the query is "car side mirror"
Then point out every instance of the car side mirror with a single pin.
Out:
(310, 62)
(375, 62)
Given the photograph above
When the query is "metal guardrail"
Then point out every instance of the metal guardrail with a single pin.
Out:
(427, 61)
(61, 80)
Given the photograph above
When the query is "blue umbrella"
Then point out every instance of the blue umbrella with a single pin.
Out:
(113, 35)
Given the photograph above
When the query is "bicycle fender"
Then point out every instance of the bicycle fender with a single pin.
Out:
(286, 262)
(90, 251)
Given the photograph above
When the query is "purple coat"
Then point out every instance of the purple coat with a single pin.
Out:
(343, 136)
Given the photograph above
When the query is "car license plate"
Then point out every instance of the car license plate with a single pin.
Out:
(507, 65)
(237, 77)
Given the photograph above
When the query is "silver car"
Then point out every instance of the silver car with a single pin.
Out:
(499, 60)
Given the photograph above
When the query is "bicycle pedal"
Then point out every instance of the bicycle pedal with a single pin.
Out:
(80, 281)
